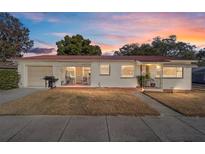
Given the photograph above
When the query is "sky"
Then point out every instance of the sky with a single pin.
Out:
(111, 30)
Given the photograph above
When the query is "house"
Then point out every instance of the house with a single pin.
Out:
(8, 65)
(198, 75)
(165, 73)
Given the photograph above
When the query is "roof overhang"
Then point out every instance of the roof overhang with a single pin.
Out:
(184, 61)
(137, 59)
(183, 65)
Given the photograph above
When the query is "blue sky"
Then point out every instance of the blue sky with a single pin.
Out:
(112, 30)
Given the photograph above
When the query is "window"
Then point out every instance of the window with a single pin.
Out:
(104, 69)
(172, 72)
(86, 71)
(127, 71)
(158, 71)
(70, 71)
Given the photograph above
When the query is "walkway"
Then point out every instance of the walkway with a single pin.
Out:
(164, 111)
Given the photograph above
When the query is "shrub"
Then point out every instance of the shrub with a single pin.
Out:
(142, 79)
(9, 79)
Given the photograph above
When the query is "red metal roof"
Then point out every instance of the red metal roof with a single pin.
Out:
(75, 58)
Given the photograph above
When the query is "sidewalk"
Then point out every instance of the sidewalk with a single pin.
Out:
(101, 128)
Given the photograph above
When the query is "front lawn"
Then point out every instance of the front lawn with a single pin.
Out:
(189, 103)
(79, 101)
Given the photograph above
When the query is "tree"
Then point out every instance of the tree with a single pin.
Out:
(77, 45)
(201, 57)
(185, 50)
(128, 49)
(14, 37)
(164, 47)
(160, 47)
(147, 49)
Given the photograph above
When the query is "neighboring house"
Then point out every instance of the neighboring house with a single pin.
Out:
(198, 75)
(107, 71)
(8, 65)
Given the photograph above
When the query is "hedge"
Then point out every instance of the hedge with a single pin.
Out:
(9, 79)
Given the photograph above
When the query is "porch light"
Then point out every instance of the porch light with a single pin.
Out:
(158, 66)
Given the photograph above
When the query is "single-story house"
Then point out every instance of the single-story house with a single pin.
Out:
(8, 65)
(165, 73)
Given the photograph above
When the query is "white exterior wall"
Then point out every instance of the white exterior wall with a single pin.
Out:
(21, 72)
(57, 69)
(180, 84)
(114, 79)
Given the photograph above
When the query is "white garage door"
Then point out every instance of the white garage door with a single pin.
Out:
(36, 74)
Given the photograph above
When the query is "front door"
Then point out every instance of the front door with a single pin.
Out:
(79, 75)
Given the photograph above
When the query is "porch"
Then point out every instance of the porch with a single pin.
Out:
(150, 78)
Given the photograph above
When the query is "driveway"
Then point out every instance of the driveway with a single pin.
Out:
(198, 86)
(9, 95)
(101, 128)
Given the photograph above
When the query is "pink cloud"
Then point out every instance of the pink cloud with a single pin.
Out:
(107, 47)
(42, 44)
(142, 27)
(60, 34)
(38, 17)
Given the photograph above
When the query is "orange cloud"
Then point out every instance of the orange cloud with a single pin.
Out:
(107, 47)
(142, 27)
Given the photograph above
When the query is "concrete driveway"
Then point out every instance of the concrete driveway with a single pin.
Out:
(9, 95)
(101, 128)
(198, 86)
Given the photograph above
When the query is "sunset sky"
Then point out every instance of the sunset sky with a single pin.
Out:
(112, 30)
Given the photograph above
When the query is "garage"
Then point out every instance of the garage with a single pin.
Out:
(36, 74)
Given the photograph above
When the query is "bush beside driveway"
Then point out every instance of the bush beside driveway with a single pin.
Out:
(79, 101)
(9, 79)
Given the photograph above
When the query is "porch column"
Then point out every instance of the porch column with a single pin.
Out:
(141, 74)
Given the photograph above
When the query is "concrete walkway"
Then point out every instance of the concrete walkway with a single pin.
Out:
(101, 128)
(162, 109)
(9, 95)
